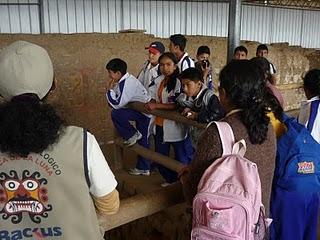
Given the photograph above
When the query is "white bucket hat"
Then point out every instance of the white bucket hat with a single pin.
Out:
(25, 68)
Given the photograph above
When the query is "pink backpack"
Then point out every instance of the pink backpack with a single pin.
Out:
(228, 203)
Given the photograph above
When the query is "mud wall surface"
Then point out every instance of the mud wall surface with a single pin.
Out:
(79, 61)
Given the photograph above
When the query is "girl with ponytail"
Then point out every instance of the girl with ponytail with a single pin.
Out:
(243, 96)
(274, 97)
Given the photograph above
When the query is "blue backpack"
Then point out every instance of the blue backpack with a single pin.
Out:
(298, 159)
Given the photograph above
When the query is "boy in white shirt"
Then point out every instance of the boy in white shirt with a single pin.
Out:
(150, 70)
(240, 53)
(310, 110)
(263, 51)
(177, 46)
(124, 88)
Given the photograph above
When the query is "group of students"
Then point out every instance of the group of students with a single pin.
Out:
(167, 81)
(39, 153)
(248, 101)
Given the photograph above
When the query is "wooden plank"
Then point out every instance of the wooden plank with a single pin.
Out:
(142, 205)
(149, 154)
(167, 114)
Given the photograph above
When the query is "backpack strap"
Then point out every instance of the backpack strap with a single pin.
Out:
(228, 141)
(85, 157)
(187, 59)
(144, 68)
(226, 136)
(313, 114)
(158, 71)
(199, 101)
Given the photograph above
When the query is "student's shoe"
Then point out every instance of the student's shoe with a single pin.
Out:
(131, 141)
(136, 171)
(166, 184)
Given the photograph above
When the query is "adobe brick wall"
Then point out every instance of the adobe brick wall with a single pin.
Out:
(79, 62)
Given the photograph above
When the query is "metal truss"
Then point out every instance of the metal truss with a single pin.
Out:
(306, 4)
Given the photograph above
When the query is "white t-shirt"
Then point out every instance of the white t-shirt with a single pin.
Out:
(185, 62)
(100, 175)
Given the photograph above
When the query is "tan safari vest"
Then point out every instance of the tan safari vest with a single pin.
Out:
(46, 196)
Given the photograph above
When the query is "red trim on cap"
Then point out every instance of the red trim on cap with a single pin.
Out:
(153, 50)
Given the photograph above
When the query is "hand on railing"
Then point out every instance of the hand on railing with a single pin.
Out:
(189, 114)
(150, 106)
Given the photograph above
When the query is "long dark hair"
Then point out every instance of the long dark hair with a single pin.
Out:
(246, 89)
(264, 64)
(272, 101)
(173, 77)
(27, 125)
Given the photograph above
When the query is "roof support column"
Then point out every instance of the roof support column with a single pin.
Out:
(234, 27)
(41, 16)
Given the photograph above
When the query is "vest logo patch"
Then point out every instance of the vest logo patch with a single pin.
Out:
(26, 195)
(305, 167)
(33, 233)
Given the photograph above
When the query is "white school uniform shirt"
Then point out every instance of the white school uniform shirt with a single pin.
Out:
(273, 69)
(128, 89)
(305, 116)
(148, 74)
(172, 131)
(185, 62)
(101, 177)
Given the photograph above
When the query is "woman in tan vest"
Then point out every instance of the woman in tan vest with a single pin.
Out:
(52, 176)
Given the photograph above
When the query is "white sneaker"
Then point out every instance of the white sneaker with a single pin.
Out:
(166, 184)
(136, 171)
(131, 141)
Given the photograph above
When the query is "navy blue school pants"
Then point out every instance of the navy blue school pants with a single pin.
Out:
(295, 215)
(121, 117)
(183, 151)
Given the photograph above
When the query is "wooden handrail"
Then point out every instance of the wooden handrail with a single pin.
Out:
(143, 205)
(154, 156)
(167, 114)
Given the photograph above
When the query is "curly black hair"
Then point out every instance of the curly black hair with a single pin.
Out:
(27, 125)
(246, 89)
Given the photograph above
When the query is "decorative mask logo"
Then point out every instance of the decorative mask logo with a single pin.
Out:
(25, 195)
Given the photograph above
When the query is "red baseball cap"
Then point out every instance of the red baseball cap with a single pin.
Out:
(156, 47)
